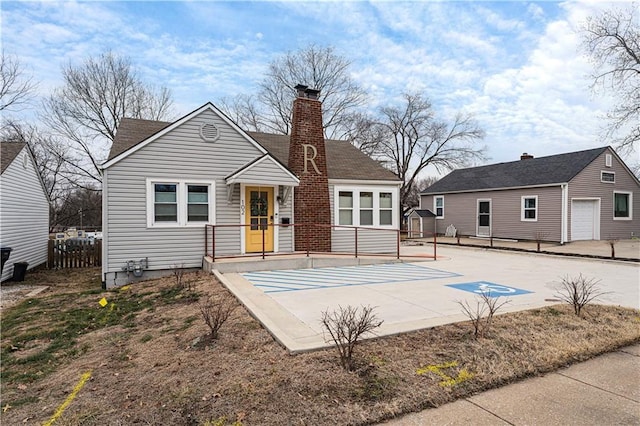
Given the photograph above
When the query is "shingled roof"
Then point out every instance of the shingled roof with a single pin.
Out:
(132, 131)
(8, 153)
(344, 161)
(560, 168)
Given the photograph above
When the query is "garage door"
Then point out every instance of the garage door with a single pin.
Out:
(584, 220)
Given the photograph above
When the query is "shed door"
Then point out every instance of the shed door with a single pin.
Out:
(584, 220)
(415, 227)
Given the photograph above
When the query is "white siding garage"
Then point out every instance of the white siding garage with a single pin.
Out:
(585, 220)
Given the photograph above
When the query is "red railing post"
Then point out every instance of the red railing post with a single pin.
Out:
(262, 227)
(206, 240)
(356, 229)
(306, 236)
(213, 243)
(435, 245)
(398, 244)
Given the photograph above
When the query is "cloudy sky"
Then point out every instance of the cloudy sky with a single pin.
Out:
(516, 66)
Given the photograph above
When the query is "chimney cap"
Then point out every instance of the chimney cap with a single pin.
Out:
(312, 93)
(305, 92)
(526, 156)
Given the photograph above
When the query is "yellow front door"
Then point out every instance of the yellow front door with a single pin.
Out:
(259, 215)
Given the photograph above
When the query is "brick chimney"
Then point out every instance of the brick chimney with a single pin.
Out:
(308, 160)
(526, 156)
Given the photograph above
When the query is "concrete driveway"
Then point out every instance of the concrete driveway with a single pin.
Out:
(420, 294)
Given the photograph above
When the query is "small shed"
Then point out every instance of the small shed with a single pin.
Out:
(422, 223)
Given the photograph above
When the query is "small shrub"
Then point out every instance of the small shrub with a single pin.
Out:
(216, 311)
(346, 326)
(178, 274)
(484, 303)
(578, 291)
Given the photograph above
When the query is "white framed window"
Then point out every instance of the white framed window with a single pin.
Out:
(386, 209)
(368, 206)
(607, 160)
(438, 206)
(529, 208)
(179, 203)
(345, 208)
(607, 177)
(622, 205)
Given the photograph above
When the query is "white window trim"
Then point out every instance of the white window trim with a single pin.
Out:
(181, 198)
(356, 190)
(602, 172)
(522, 208)
(613, 212)
(435, 207)
(608, 160)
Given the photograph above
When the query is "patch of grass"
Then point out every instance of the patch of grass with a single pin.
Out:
(32, 349)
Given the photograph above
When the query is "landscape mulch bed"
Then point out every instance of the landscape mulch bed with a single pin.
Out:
(151, 362)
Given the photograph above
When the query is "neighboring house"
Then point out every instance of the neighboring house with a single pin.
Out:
(584, 195)
(163, 182)
(24, 208)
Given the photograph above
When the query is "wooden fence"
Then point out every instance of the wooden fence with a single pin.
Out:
(74, 254)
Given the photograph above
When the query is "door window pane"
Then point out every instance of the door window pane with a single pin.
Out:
(259, 203)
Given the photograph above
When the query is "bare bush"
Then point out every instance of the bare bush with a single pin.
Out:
(216, 311)
(178, 274)
(346, 326)
(578, 291)
(485, 303)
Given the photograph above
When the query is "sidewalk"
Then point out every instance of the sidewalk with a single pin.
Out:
(624, 249)
(602, 391)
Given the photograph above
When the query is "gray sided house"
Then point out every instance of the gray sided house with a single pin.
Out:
(584, 195)
(24, 208)
(163, 182)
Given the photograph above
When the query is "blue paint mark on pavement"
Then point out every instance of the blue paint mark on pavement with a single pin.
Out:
(309, 279)
(493, 289)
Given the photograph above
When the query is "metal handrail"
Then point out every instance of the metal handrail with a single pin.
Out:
(212, 246)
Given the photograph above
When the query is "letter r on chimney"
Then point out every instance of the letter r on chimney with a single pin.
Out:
(310, 159)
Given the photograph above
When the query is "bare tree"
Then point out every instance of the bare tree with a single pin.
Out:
(612, 41)
(315, 66)
(415, 139)
(87, 109)
(16, 88)
(419, 185)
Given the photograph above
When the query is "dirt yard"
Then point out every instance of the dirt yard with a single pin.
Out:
(149, 362)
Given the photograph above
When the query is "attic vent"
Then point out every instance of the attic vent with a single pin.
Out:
(209, 132)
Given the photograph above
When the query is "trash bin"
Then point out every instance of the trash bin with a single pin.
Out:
(19, 271)
(6, 252)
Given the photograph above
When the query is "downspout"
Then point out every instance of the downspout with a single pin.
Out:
(565, 213)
